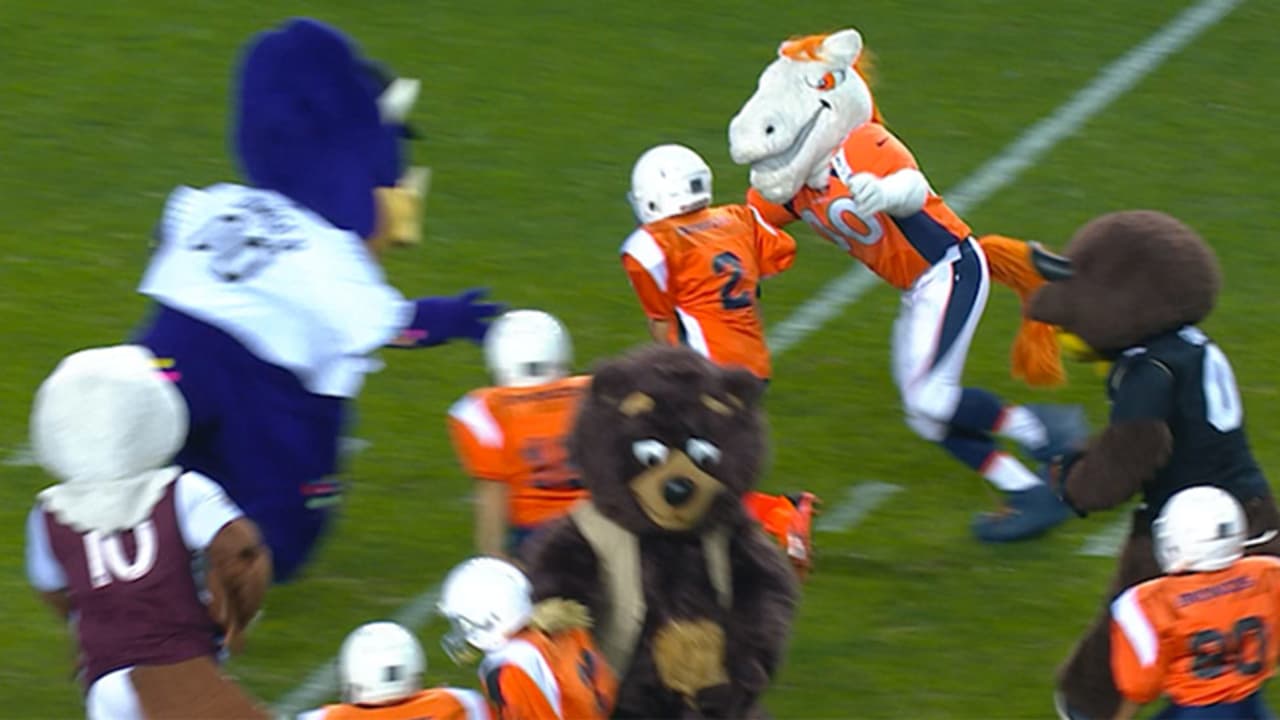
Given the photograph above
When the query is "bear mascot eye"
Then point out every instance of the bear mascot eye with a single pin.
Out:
(702, 452)
(649, 452)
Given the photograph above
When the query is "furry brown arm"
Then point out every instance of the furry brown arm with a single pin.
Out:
(238, 576)
(562, 564)
(1117, 462)
(765, 594)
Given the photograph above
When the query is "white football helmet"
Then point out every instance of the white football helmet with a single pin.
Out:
(486, 601)
(527, 347)
(669, 180)
(1200, 529)
(380, 662)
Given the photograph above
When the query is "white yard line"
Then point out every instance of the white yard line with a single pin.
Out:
(1106, 542)
(1112, 82)
(858, 503)
(20, 456)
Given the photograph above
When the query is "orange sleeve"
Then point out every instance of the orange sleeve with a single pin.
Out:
(874, 149)
(477, 439)
(775, 248)
(655, 302)
(773, 213)
(1139, 660)
(513, 695)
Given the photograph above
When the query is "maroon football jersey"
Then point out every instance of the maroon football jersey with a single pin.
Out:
(133, 596)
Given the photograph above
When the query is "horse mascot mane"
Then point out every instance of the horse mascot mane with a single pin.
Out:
(807, 102)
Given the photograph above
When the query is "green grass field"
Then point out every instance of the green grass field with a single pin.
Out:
(534, 113)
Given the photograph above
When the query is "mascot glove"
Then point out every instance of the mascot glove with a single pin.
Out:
(437, 320)
(899, 194)
(868, 193)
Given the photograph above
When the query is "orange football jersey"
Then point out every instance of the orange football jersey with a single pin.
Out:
(702, 272)
(896, 249)
(517, 436)
(1200, 638)
(549, 677)
(433, 704)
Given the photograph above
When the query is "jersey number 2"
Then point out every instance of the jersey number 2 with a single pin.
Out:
(731, 297)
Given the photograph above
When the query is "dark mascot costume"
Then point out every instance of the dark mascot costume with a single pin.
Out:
(693, 602)
(269, 300)
(1132, 286)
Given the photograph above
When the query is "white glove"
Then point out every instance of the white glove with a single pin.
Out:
(899, 194)
(868, 194)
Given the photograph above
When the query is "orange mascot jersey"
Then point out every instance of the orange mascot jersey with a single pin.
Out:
(702, 271)
(898, 249)
(517, 436)
(549, 677)
(434, 703)
(1200, 638)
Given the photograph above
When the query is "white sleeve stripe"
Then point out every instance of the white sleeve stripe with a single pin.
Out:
(641, 246)
(762, 222)
(693, 334)
(202, 508)
(523, 655)
(43, 571)
(1137, 628)
(472, 702)
(472, 412)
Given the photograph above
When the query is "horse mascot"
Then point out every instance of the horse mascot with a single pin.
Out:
(819, 151)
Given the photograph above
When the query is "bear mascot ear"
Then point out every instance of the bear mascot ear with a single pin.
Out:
(609, 383)
(743, 387)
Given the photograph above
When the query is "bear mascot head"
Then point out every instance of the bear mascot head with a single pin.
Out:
(693, 602)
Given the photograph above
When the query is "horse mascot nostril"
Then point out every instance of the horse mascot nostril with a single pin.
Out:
(819, 151)
(269, 300)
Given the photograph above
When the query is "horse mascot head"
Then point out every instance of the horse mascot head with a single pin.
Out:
(325, 126)
(807, 102)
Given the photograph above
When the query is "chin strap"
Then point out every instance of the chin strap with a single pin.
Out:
(400, 211)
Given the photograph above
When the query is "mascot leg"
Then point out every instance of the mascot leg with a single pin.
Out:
(1085, 687)
(932, 335)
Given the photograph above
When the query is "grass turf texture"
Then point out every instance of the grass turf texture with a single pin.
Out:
(534, 113)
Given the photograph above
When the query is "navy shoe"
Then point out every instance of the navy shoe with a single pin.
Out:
(1027, 514)
(1065, 426)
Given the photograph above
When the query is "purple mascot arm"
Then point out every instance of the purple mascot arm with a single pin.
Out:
(437, 320)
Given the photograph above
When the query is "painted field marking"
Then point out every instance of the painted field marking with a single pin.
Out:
(1107, 541)
(1110, 83)
(857, 504)
(20, 456)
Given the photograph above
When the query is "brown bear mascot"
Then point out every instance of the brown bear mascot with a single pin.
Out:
(693, 601)
(1132, 286)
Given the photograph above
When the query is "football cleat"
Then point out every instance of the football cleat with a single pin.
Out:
(1026, 514)
(799, 535)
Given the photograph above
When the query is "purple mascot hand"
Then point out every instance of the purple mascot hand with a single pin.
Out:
(437, 320)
